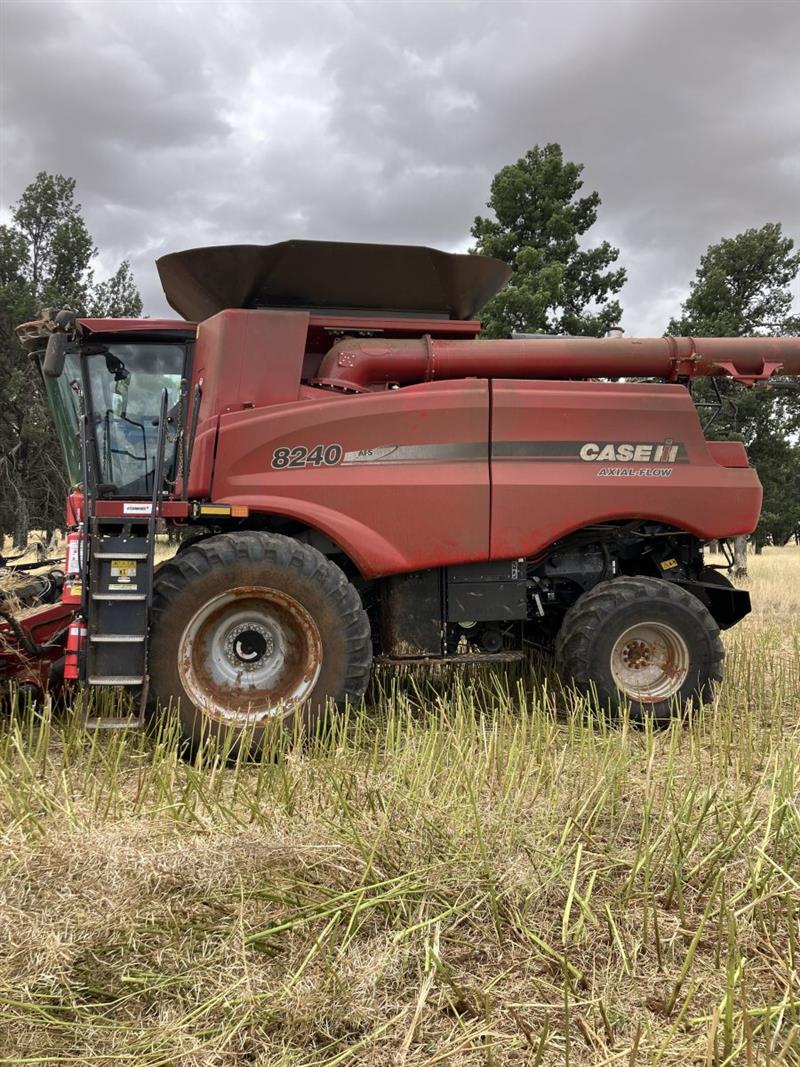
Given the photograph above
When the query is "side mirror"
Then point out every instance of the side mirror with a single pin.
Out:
(55, 354)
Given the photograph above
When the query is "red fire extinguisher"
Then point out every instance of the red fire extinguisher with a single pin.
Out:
(72, 590)
(76, 636)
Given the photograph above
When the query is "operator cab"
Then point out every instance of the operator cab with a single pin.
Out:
(118, 381)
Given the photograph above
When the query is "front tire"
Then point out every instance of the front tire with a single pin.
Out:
(250, 629)
(641, 643)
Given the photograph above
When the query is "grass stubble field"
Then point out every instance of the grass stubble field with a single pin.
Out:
(468, 871)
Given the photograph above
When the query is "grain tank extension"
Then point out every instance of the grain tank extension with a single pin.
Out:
(358, 477)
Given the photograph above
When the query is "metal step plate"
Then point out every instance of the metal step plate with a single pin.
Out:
(105, 679)
(116, 639)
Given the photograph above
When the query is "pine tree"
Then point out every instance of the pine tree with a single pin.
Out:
(744, 286)
(558, 285)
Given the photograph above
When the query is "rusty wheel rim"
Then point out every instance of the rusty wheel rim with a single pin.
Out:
(250, 654)
(650, 662)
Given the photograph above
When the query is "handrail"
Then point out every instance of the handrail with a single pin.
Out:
(87, 510)
(198, 395)
(158, 472)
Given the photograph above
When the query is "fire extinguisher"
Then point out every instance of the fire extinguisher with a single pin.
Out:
(76, 637)
(72, 590)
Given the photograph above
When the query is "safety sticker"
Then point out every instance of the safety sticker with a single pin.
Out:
(74, 557)
(123, 569)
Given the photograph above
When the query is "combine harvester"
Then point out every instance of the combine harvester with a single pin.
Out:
(358, 478)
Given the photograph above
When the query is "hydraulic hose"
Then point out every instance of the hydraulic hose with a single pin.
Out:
(32, 647)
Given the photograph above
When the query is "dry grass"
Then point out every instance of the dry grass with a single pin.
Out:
(458, 876)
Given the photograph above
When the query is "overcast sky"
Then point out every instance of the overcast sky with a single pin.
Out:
(197, 123)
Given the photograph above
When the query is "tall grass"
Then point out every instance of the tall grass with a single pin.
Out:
(459, 872)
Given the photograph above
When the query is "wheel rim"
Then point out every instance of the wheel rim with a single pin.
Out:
(250, 654)
(650, 662)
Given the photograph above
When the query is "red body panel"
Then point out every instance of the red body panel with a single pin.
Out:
(139, 509)
(536, 501)
(729, 453)
(202, 463)
(391, 511)
(247, 360)
(242, 360)
(420, 494)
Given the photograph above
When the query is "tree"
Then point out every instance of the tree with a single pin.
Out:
(557, 286)
(118, 297)
(59, 247)
(46, 258)
(16, 305)
(742, 287)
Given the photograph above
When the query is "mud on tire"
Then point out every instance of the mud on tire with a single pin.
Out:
(643, 643)
(250, 629)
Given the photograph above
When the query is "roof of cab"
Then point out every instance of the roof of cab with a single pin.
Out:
(136, 325)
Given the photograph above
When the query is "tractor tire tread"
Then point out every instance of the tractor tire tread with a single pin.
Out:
(589, 614)
(251, 547)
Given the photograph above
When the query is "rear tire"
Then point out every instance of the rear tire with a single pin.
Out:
(642, 643)
(251, 630)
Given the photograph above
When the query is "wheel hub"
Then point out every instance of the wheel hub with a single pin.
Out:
(650, 662)
(248, 645)
(636, 655)
(249, 654)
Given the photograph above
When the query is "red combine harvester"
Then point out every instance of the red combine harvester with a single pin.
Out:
(359, 477)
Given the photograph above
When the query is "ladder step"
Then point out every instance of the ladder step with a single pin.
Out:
(120, 555)
(119, 596)
(116, 639)
(104, 679)
(132, 722)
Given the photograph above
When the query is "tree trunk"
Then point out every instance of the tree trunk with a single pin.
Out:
(759, 548)
(21, 525)
(740, 557)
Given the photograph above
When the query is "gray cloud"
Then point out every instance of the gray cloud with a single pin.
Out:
(195, 123)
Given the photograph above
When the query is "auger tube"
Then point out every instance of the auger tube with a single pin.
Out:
(359, 365)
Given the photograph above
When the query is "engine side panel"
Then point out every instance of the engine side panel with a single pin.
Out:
(246, 360)
(399, 478)
(570, 454)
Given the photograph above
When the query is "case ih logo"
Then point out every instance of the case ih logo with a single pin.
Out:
(632, 452)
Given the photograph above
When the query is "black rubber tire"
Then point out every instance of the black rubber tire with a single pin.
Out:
(596, 620)
(252, 558)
